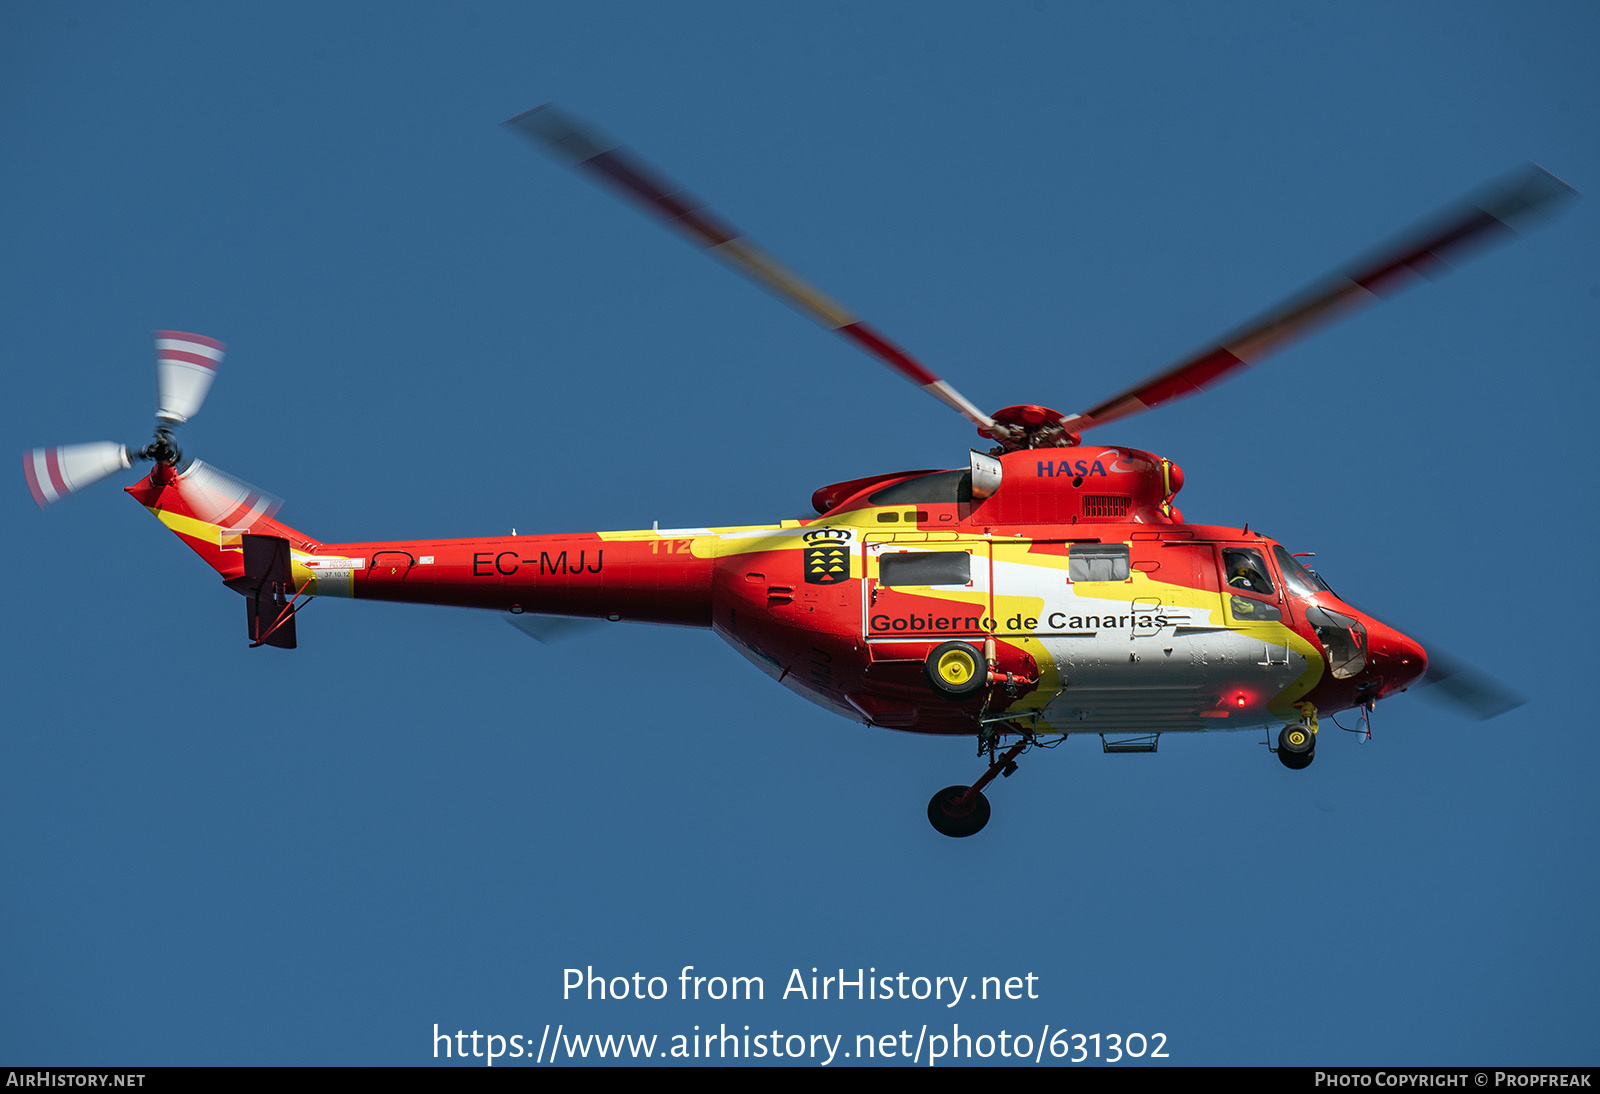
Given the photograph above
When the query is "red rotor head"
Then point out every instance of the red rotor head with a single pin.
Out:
(1030, 426)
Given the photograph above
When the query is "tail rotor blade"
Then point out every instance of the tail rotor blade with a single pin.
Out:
(185, 366)
(53, 473)
(216, 497)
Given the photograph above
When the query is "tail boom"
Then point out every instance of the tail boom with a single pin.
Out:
(637, 576)
(633, 576)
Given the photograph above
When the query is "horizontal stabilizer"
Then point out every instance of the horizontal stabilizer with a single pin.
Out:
(549, 629)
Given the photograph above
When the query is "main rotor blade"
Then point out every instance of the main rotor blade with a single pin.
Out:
(185, 366)
(1427, 252)
(53, 473)
(584, 148)
(1467, 688)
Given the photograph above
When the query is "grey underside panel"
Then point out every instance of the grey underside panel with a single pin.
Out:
(1171, 709)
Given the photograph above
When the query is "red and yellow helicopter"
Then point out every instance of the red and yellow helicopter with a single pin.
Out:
(1046, 588)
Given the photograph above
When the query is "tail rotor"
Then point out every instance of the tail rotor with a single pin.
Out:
(186, 365)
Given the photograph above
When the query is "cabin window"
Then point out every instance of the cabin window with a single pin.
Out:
(925, 568)
(1097, 562)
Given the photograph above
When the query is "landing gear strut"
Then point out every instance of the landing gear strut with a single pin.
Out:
(963, 810)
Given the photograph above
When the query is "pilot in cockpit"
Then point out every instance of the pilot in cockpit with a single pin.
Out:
(1245, 572)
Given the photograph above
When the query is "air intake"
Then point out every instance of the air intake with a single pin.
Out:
(1106, 505)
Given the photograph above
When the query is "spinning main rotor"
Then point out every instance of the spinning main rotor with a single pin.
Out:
(1427, 251)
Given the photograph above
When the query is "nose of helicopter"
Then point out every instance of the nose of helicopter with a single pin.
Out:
(1398, 660)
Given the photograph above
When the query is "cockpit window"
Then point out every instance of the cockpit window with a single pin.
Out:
(1246, 569)
(1300, 581)
(1097, 562)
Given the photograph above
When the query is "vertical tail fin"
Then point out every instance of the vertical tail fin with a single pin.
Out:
(229, 524)
(269, 592)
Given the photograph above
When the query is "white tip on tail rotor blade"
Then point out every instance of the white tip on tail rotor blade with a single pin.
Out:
(53, 473)
(216, 497)
(185, 366)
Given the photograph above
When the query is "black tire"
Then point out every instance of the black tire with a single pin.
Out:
(1297, 747)
(957, 821)
(956, 670)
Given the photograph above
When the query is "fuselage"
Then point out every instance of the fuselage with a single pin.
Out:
(1097, 607)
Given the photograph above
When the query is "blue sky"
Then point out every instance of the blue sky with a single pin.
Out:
(223, 855)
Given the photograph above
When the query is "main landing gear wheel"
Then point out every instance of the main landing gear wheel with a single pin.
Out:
(956, 670)
(951, 818)
(1297, 747)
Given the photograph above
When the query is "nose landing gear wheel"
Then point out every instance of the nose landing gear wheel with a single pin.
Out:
(1297, 747)
(951, 817)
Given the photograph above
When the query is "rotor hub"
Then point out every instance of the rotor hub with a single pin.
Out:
(163, 449)
(1030, 426)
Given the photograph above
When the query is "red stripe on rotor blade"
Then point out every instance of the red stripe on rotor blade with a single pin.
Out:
(1426, 253)
(189, 358)
(1181, 381)
(242, 512)
(615, 167)
(52, 464)
(30, 472)
(185, 336)
(1428, 259)
(891, 354)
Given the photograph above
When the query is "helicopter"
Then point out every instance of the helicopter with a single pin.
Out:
(1045, 589)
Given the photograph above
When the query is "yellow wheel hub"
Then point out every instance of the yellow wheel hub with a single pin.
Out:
(956, 667)
(1297, 737)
